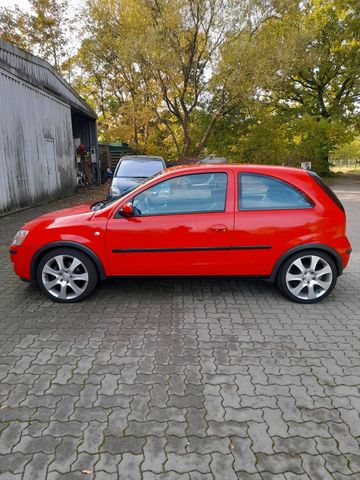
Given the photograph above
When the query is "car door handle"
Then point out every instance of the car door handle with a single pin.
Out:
(219, 228)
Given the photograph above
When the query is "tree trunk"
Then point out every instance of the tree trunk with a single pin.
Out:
(185, 153)
(202, 144)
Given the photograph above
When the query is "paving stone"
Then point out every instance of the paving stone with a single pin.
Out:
(103, 476)
(188, 462)
(176, 428)
(169, 476)
(92, 437)
(326, 445)
(129, 467)
(295, 445)
(337, 463)
(245, 460)
(10, 476)
(279, 463)
(65, 454)
(14, 462)
(37, 467)
(277, 425)
(224, 429)
(212, 444)
(220, 464)
(84, 461)
(243, 414)
(45, 444)
(154, 453)
(195, 379)
(196, 421)
(10, 436)
(261, 442)
(61, 429)
(346, 442)
(117, 445)
(314, 466)
(108, 463)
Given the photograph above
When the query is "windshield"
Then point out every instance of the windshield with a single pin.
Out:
(104, 203)
(139, 168)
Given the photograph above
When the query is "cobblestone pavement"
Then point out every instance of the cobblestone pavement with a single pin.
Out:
(178, 379)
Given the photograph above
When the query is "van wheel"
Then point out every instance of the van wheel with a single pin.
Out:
(307, 277)
(66, 275)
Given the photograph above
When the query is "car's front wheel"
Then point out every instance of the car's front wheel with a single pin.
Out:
(307, 277)
(66, 275)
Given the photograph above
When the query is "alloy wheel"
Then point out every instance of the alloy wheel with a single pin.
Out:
(65, 277)
(309, 277)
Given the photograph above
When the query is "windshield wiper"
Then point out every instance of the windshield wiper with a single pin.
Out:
(102, 203)
(97, 205)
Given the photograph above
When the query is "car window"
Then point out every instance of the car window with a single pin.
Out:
(139, 168)
(203, 192)
(261, 192)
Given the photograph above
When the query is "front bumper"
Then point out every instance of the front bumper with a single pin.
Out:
(20, 257)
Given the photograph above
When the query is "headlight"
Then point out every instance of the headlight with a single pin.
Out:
(114, 191)
(20, 237)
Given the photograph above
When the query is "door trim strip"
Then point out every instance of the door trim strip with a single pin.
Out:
(191, 249)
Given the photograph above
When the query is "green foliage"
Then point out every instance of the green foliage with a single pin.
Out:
(254, 81)
(349, 151)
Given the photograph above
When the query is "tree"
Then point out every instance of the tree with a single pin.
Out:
(44, 30)
(109, 74)
(47, 29)
(158, 61)
(323, 81)
(183, 40)
(350, 152)
(12, 26)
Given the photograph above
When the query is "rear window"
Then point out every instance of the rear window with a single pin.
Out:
(262, 192)
(330, 193)
(139, 168)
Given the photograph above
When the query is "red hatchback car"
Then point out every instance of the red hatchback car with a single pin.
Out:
(278, 223)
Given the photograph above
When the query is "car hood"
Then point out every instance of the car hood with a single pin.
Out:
(80, 213)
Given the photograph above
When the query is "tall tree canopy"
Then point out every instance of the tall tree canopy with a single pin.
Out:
(273, 81)
(44, 30)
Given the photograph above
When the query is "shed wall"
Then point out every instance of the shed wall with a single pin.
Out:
(41, 74)
(36, 146)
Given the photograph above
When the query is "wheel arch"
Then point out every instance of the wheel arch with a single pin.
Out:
(307, 246)
(77, 246)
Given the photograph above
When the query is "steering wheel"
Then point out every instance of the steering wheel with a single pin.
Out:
(142, 206)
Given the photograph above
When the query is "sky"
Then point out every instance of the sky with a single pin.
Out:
(23, 4)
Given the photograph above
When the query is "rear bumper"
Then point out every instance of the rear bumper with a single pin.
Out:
(344, 249)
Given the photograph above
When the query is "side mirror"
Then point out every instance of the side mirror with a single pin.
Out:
(127, 210)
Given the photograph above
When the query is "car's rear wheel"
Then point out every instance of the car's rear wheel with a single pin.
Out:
(307, 277)
(66, 275)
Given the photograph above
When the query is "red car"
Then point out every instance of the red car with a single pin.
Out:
(278, 223)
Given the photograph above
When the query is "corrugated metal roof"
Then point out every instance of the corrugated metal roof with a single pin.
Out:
(42, 75)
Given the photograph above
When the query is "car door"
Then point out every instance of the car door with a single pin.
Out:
(271, 216)
(182, 226)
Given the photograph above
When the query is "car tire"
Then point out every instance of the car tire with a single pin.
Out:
(308, 276)
(66, 275)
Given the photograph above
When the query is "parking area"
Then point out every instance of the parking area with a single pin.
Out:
(180, 378)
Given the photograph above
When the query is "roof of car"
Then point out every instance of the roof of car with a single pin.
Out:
(141, 157)
(275, 169)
